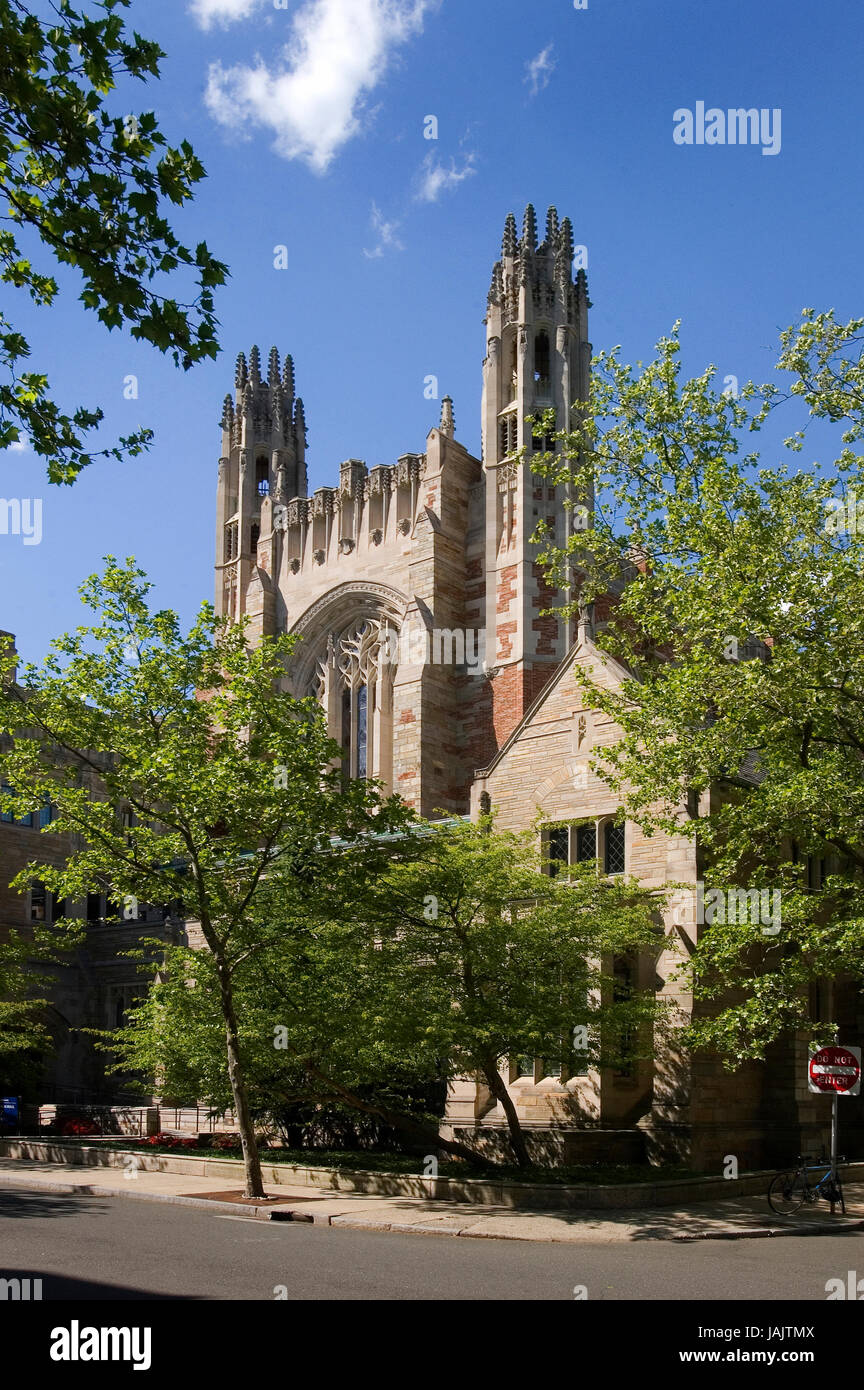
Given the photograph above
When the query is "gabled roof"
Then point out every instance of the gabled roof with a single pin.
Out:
(582, 644)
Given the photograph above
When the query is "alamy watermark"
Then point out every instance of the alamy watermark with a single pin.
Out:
(22, 516)
(735, 126)
(845, 515)
(734, 906)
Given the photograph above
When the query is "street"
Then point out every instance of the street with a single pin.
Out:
(89, 1247)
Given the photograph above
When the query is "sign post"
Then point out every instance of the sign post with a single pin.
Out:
(837, 1071)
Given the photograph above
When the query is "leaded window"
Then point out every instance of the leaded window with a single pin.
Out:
(614, 848)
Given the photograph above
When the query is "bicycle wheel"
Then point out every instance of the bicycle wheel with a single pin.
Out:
(788, 1192)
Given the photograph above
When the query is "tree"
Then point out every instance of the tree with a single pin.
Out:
(479, 957)
(189, 777)
(91, 186)
(20, 1027)
(735, 594)
(308, 1028)
(438, 952)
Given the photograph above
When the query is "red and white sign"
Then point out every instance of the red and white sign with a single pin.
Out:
(835, 1069)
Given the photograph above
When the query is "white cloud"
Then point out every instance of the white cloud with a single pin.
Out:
(20, 446)
(314, 99)
(208, 12)
(540, 69)
(385, 232)
(436, 178)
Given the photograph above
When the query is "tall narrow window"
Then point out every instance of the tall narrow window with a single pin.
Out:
(38, 903)
(346, 734)
(614, 848)
(362, 729)
(541, 363)
(513, 383)
(508, 432)
(545, 442)
(262, 476)
(586, 844)
(559, 848)
(231, 541)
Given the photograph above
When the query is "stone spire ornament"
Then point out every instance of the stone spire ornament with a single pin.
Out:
(529, 229)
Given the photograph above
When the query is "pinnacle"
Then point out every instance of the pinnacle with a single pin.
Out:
(566, 238)
(529, 229)
(508, 245)
(288, 376)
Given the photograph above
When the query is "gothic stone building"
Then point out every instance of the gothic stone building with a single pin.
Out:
(417, 594)
(89, 986)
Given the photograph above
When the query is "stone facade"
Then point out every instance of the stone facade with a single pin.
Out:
(416, 599)
(92, 985)
(426, 562)
(376, 571)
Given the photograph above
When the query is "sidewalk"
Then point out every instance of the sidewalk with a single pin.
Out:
(734, 1219)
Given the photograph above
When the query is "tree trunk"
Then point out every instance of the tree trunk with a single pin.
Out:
(254, 1181)
(492, 1077)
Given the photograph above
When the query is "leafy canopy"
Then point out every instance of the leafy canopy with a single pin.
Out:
(734, 588)
(90, 186)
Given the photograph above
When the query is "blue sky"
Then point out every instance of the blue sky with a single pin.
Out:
(309, 118)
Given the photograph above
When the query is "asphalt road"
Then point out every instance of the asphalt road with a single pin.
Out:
(106, 1248)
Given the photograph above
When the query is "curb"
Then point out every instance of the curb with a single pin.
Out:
(95, 1190)
(287, 1214)
(810, 1228)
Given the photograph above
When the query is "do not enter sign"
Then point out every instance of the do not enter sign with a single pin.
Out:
(835, 1069)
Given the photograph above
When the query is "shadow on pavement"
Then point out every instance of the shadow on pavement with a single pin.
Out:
(15, 1203)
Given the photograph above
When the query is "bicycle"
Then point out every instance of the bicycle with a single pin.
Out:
(788, 1191)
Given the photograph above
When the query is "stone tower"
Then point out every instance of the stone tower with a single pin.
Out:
(537, 357)
(412, 586)
(263, 458)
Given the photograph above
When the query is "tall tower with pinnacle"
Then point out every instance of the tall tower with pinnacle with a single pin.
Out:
(537, 357)
(433, 547)
(262, 464)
